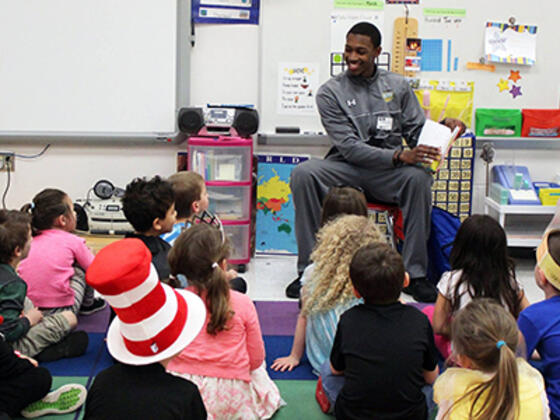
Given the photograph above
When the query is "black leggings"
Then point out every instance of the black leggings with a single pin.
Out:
(18, 392)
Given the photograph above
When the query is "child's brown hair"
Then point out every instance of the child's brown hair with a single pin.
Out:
(487, 334)
(548, 258)
(196, 253)
(14, 231)
(480, 251)
(377, 273)
(187, 186)
(45, 208)
(343, 200)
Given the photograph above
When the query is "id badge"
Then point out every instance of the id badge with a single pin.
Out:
(384, 123)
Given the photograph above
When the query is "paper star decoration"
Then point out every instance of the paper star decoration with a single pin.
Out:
(515, 91)
(503, 85)
(514, 75)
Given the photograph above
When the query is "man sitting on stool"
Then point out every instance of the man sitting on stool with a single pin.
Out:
(367, 111)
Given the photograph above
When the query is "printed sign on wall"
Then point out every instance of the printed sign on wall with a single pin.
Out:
(514, 44)
(297, 86)
(225, 11)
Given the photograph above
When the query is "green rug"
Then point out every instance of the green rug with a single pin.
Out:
(299, 396)
(300, 399)
(57, 382)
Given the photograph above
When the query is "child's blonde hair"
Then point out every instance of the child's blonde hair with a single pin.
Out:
(487, 334)
(187, 187)
(337, 242)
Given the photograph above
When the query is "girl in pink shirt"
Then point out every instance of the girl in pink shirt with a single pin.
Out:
(226, 360)
(55, 268)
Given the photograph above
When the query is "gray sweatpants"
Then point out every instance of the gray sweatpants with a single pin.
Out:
(408, 186)
(50, 330)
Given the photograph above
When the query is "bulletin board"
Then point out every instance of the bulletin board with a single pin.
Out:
(299, 32)
(93, 68)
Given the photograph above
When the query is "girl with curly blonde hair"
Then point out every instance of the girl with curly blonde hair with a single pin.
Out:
(327, 290)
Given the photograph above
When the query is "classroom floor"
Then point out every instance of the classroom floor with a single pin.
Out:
(267, 276)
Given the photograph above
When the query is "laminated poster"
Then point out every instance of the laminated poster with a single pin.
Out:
(297, 86)
(343, 19)
(515, 44)
(275, 228)
(226, 11)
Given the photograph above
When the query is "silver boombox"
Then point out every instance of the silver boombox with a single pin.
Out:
(104, 214)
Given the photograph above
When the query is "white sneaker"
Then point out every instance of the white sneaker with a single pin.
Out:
(65, 399)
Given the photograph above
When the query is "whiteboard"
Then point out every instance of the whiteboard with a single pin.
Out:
(99, 67)
(299, 31)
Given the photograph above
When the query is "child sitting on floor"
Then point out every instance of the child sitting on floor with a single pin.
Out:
(327, 290)
(191, 200)
(226, 359)
(491, 383)
(55, 268)
(480, 267)
(153, 324)
(24, 387)
(24, 326)
(149, 206)
(383, 348)
(338, 201)
(540, 322)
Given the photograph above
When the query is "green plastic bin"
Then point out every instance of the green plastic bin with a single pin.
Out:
(498, 122)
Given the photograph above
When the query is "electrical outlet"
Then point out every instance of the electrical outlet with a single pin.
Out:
(7, 162)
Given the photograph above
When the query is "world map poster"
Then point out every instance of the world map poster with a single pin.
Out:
(275, 210)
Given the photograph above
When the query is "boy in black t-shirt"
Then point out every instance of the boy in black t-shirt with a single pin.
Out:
(384, 349)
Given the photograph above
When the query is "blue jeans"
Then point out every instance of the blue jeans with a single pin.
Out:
(332, 385)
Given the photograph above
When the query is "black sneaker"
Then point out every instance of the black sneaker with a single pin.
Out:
(422, 290)
(73, 345)
(293, 289)
(97, 305)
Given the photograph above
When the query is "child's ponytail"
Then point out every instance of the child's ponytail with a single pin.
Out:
(217, 300)
(487, 334)
(197, 253)
(506, 384)
(45, 208)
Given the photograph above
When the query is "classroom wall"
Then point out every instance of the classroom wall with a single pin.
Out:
(225, 68)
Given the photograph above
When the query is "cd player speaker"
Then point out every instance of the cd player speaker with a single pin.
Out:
(190, 120)
(246, 121)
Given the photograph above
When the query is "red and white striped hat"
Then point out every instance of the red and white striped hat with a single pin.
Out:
(154, 321)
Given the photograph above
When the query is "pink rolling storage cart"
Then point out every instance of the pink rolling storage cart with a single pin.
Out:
(226, 164)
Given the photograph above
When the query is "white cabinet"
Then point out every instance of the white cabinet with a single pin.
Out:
(524, 225)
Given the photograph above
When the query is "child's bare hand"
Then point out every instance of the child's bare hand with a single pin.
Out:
(30, 359)
(285, 363)
(231, 274)
(34, 316)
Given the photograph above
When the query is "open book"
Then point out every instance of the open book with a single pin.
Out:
(438, 135)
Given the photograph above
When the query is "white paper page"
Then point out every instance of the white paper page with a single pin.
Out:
(523, 194)
(435, 134)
